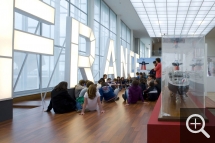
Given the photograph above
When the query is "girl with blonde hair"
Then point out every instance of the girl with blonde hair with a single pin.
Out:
(92, 100)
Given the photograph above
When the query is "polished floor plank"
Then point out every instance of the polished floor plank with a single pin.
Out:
(210, 100)
(119, 124)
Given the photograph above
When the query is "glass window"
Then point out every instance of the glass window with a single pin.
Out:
(147, 53)
(112, 21)
(48, 64)
(142, 50)
(35, 63)
(97, 10)
(81, 4)
(128, 35)
(18, 62)
(96, 33)
(104, 15)
(124, 31)
(29, 78)
(96, 69)
(113, 37)
(104, 29)
(82, 46)
(123, 43)
(104, 37)
(78, 14)
(125, 35)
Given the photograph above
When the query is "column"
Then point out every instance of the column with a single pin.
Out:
(91, 14)
(118, 44)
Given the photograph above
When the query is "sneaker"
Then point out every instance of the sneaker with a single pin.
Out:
(123, 96)
(78, 111)
(117, 99)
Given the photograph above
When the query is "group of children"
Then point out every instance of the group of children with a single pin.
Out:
(141, 87)
(89, 96)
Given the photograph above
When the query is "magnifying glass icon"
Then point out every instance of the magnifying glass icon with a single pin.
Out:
(200, 130)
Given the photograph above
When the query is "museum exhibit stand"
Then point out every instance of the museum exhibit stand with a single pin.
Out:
(184, 67)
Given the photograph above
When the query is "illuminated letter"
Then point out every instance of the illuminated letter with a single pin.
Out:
(136, 57)
(6, 48)
(131, 66)
(73, 60)
(27, 42)
(36, 9)
(124, 62)
(22, 41)
(110, 51)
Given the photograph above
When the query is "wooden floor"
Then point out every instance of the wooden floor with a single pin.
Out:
(120, 123)
(210, 100)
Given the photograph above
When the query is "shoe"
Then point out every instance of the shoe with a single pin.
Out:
(123, 96)
(117, 99)
(78, 111)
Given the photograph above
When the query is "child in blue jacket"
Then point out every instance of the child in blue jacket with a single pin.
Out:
(107, 93)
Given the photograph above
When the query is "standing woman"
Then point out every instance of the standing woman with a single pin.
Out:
(61, 101)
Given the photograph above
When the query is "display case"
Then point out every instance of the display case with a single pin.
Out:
(183, 74)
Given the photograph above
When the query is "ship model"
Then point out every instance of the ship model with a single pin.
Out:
(178, 82)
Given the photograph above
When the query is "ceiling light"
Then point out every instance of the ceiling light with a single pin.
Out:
(176, 17)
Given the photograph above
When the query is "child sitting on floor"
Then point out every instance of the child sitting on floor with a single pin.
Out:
(92, 100)
(151, 92)
(134, 93)
(108, 93)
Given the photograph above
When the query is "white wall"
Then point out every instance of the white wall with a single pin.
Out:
(148, 44)
(211, 45)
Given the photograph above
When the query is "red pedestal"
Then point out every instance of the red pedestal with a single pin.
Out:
(169, 132)
(162, 132)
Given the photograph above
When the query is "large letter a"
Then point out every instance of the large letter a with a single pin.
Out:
(110, 51)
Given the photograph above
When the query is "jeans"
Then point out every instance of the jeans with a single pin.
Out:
(78, 106)
(126, 95)
(116, 91)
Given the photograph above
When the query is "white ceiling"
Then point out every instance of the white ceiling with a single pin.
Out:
(129, 16)
(176, 17)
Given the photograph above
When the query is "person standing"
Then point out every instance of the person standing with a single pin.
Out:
(158, 71)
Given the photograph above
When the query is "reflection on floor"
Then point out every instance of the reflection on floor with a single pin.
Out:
(210, 100)
(119, 123)
(212, 111)
(26, 105)
(211, 95)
